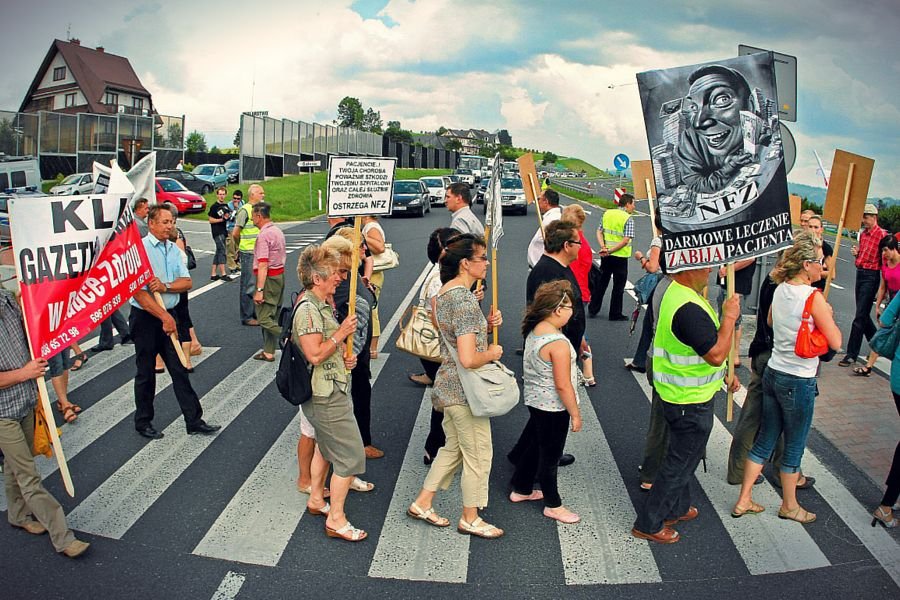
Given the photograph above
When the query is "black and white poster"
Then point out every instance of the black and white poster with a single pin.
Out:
(718, 164)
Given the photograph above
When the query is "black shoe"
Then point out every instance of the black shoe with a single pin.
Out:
(634, 367)
(566, 459)
(99, 349)
(619, 318)
(203, 429)
(150, 433)
(126, 339)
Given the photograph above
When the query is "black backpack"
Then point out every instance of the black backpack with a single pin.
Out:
(293, 377)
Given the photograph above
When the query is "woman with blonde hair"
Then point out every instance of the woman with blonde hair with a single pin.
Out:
(319, 336)
(789, 381)
(581, 267)
(550, 380)
(468, 446)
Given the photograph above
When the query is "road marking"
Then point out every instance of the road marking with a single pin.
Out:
(766, 543)
(230, 586)
(593, 551)
(96, 420)
(412, 550)
(259, 521)
(119, 502)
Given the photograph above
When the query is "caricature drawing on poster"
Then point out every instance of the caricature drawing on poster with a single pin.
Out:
(715, 147)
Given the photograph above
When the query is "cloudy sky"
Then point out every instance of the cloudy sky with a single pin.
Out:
(558, 75)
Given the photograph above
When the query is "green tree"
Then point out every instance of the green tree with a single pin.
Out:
(507, 153)
(237, 139)
(453, 145)
(372, 121)
(215, 150)
(441, 130)
(889, 217)
(549, 158)
(350, 113)
(195, 142)
(7, 137)
(175, 137)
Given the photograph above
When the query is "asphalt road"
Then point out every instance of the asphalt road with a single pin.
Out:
(194, 517)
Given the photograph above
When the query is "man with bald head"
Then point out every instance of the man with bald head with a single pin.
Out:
(244, 235)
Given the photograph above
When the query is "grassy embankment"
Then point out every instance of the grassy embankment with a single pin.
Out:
(289, 196)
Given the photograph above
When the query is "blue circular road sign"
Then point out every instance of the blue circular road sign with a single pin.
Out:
(621, 162)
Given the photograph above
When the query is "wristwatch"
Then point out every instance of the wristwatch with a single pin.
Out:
(259, 289)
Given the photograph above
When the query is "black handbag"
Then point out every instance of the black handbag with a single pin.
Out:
(293, 377)
(191, 259)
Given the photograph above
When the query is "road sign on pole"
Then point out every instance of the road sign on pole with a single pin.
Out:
(621, 162)
(309, 163)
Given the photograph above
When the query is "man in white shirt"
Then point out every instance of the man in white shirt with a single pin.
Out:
(548, 204)
(459, 201)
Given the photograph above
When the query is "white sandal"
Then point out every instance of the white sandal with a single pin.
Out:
(347, 533)
(479, 528)
(358, 485)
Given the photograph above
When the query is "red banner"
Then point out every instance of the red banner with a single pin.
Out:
(69, 286)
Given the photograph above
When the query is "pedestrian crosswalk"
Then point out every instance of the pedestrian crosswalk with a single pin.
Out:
(259, 520)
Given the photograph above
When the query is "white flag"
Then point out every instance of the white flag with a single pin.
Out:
(494, 212)
(141, 177)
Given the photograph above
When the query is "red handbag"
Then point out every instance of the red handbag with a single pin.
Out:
(810, 344)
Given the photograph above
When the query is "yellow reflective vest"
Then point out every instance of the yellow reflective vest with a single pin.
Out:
(680, 376)
(248, 231)
(614, 230)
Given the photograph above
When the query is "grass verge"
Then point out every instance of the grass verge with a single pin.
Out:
(290, 196)
(595, 200)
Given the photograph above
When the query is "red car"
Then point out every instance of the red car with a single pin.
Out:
(186, 201)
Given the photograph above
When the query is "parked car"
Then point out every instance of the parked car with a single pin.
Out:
(233, 169)
(512, 195)
(186, 201)
(436, 189)
(215, 174)
(410, 196)
(73, 185)
(188, 180)
(466, 175)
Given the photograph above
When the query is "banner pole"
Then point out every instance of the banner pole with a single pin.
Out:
(650, 200)
(732, 354)
(840, 230)
(49, 417)
(354, 269)
(172, 336)
(494, 303)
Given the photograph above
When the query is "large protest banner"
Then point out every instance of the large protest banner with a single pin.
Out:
(360, 186)
(78, 258)
(718, 164)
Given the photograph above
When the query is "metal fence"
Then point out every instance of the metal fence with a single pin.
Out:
(70, 143)
(272, 147)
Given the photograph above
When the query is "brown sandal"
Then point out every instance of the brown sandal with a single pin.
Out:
(69, 413)
(794, 515)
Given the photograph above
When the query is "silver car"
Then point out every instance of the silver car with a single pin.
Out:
(436, 189)
(74, 185)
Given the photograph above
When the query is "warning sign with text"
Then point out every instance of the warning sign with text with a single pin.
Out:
(360, 186)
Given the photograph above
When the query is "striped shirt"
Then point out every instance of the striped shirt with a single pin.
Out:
(16, 401)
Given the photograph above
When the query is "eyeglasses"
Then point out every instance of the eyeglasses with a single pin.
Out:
(569, 306)
(480, 259)
(574, 242)
(562, 303)
(818, 261)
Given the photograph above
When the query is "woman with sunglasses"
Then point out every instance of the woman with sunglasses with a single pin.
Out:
(468, 443)
(550, 383)
(789, 381)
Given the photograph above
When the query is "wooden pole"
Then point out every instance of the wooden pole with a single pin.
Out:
(44, 399)
(173, 336)
(487, 240)
(732, 355)
(494, 303)
(650, 200)
(354, 268)
(840, 229)
(535, 195)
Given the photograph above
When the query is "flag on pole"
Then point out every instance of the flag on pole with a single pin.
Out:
(494, 212)
(142, 178)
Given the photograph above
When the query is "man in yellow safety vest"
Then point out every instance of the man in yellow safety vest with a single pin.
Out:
(688, 366)
(244, 236)
(614, 234)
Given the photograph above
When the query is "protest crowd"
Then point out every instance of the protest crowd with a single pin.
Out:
(687, 339)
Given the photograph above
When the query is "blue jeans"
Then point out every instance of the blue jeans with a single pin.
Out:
(788, 403)
(248, 284)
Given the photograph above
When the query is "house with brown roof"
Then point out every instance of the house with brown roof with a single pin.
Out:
(77, 79)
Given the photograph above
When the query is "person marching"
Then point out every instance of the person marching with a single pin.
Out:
(614, 234)
(244, 235)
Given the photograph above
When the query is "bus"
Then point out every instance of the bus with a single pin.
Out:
(478, 164)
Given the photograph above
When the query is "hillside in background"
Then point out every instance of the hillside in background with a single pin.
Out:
(816, 195)
(577, 165)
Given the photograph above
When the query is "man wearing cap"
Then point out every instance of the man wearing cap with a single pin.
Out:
(868, 277)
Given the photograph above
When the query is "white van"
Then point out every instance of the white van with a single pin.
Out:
(19, 174)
